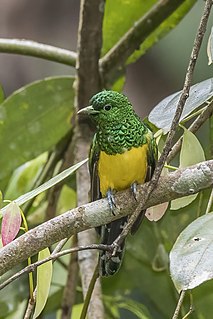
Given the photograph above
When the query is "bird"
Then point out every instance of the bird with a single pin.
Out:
(122, 155)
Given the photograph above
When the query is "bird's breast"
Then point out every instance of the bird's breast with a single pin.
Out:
(119, 171)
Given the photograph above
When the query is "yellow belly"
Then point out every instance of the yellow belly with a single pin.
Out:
(119, 171)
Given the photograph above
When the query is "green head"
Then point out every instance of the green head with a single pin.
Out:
(108, 107)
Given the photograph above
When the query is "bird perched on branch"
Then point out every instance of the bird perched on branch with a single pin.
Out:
(122, 155)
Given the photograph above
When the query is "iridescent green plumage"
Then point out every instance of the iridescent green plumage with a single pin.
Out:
(122, 139)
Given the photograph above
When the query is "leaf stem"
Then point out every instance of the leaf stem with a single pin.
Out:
(198, 112)
(29, 261)
(179, 304)
(171, 167)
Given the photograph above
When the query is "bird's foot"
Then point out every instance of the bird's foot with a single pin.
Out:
(111, 201)
(134, 190)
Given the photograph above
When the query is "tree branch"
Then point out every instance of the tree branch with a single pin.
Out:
(131, 41)
(181, 183)
(38, 50)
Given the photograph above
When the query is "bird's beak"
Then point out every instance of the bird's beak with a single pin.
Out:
(88, 110)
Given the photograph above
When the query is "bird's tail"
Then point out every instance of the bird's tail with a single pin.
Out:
(110, 264)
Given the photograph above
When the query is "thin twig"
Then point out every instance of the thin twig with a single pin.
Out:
(38, 50)
(53, 257)
(171, 134)
(198, 122)
(30, 306)
(179, 304)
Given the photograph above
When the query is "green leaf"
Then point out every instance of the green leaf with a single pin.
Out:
(33, 119)
(11, 223)
(135, 307)
(44, 276)
(24, 177)
(199, 94)
(210, 47)
(53, 181)
(165, 27)
(190, 154)
(191, 258)
(191, 151)
(116, 25)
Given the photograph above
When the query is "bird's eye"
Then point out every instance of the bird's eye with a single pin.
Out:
(107, 107)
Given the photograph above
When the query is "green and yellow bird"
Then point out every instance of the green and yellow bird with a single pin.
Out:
(123, 154)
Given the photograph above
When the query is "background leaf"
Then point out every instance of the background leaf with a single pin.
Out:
(199, 93)
(24, 177)
(29, 125)
(115, 26)
(191, 258)
(44, 276)
(11, 223)
(53, 181)
(190, 154)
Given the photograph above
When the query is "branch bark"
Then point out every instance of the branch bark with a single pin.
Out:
(181, 183)
(38, 50)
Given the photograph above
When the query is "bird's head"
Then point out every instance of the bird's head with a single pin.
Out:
(108, 107)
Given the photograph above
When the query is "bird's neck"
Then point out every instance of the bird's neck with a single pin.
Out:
(120, 136)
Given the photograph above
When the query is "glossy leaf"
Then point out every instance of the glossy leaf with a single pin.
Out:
(44, 276)
(33, 120)
(116, 25)
(11, 223)
(53, 181)
(190, 154)
(199, 93)
(191, 258)
(210, 47)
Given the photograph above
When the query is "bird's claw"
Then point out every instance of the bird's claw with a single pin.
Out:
(111, 201)
(134, 190)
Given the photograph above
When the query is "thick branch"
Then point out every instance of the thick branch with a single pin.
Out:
(132, 40)
(88, 83)
(181, 183)
(38, 50)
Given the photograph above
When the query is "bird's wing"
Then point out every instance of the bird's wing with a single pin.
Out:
(152, 154)
(93, 168)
